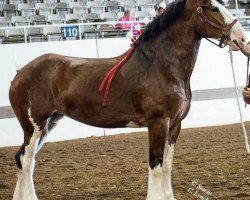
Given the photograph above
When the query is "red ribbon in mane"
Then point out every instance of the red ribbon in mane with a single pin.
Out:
(109, 76)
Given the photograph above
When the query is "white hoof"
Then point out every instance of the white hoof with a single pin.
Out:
(162, 198)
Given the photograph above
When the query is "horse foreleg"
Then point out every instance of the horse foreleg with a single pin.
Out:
(166, 172)
(168, 161)
(160, 157)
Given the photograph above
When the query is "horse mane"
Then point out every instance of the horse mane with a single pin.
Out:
(173, 12)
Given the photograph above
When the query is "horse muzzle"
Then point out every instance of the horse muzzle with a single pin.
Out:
(238, 39)
(235, 45)
(246, 50)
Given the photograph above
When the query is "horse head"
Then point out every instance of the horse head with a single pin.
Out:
(213, 20)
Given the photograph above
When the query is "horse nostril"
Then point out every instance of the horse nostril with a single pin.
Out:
(243, 39)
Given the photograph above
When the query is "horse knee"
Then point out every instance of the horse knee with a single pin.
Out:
(158, 135)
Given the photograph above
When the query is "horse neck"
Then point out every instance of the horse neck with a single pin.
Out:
(175, 49)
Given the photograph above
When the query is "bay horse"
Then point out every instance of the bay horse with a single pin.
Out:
(151, 89)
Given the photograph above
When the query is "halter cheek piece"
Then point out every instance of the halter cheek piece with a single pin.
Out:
(225, 30)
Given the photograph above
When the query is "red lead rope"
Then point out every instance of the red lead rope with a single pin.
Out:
(109, 76)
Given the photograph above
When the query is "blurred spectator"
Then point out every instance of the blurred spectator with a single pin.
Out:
(162, 8)
(126, 27)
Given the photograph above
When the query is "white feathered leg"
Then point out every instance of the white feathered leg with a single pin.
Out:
(159, 178)
(25, 187)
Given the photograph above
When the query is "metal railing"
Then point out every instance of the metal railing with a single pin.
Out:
(96, 27)
(83, 30)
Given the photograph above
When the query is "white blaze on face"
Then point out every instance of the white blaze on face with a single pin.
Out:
(228, 17)
(237, 31)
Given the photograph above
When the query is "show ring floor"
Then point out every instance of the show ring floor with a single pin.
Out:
(115, 167)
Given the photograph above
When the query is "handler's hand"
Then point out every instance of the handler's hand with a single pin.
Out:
(246, 95)
(246, 51)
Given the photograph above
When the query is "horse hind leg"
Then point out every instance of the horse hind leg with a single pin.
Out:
(35, 132)
(25, 158)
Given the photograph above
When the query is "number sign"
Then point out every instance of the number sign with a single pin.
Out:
(69, 31)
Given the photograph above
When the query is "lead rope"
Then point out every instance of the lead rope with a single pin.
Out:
(247, 77)
(237, 96)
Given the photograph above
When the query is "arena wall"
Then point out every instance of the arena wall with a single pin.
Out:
(212, 85)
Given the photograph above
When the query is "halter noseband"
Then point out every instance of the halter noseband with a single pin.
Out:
(225, 30)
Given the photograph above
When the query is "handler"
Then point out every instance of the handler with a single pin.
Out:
(246, 90)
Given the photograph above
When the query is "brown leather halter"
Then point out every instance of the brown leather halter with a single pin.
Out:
(224, 29)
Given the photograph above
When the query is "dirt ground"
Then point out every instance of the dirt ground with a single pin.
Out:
(115, 167)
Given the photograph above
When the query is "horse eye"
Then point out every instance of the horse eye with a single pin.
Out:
(215, 9)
